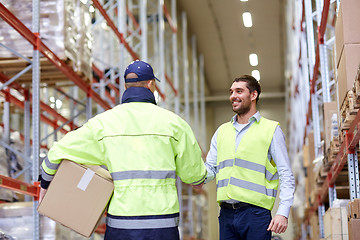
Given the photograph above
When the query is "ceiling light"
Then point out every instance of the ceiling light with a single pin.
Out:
(256, 74)
(253, 58)
(243, 0)
(247, 19)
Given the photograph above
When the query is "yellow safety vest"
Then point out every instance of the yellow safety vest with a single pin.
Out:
(247, 174)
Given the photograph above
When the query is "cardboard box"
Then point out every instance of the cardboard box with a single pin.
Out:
(347, 70)
(330, 108)
(311, 140)
(337, 237)
(315, 231)
(347, 26)
(306, 156)
(354, 208)
(335, 223)
(78, 196)
(354, 229)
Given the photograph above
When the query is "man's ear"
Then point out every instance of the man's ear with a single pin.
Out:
(151, 85)
(254, 95)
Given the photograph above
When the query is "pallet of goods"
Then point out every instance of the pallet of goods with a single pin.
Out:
(348, 110)
(332, 151)
(65, 28)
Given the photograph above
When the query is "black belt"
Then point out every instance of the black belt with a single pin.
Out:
(234, 205)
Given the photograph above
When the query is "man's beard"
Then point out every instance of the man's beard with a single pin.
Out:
(242, 110)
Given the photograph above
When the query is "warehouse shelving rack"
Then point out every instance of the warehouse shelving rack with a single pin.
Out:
(133, 37)
(309, 95)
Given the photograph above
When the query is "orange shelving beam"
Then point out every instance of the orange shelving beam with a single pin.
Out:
(169, 19)
(20, 186)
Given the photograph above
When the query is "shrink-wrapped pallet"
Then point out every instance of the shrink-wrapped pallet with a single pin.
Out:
(64, 29)
(16, 222)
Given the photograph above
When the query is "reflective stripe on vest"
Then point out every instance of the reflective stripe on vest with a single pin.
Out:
(247, 185)
(249, 165)
(45, 176)
(142, 223)
(123, 175)
(50, 165)
(49, 169)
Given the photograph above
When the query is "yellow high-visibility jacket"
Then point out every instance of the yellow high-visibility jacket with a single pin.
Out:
(144, 147)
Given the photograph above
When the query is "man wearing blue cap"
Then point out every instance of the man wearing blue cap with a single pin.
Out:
(144, 147)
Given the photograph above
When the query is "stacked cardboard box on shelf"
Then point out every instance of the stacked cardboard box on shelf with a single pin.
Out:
(347, 55)
(315, 230)
(335, 224)
(353, 217)
(65, 28)
(331, 143)
(309, 173)
(348, 110)
(312, 188)
(331, 150)
(330, 124)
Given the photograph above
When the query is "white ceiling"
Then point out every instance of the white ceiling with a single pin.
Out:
(226, 43)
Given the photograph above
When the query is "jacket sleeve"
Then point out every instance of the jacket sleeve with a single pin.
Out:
(189, 165)
(79, 146)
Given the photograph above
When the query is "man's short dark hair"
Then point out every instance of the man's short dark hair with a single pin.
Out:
(251, 83)
(136, 84)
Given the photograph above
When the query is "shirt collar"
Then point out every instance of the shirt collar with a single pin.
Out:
(256, 117)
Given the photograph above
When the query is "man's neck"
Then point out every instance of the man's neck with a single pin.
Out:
(244, 118)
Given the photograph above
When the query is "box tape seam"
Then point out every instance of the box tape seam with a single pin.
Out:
(85, 179)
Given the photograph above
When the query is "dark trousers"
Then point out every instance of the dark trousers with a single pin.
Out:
(245, 223)
(142, 234)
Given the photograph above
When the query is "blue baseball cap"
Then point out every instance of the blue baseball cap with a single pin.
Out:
(142, 69)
